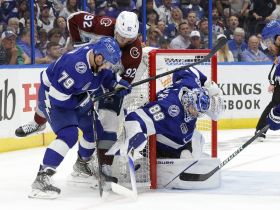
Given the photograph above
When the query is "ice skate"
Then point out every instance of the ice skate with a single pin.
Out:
(42, 187)
(29, 128)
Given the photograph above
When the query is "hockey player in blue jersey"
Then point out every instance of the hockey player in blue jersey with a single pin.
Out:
(172, 117)
(64, 97)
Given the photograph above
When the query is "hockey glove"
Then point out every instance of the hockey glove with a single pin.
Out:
(212, 88)
(85, 102)
(122, 86)
(273, 119)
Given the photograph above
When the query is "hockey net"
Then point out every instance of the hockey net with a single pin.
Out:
(157, 61)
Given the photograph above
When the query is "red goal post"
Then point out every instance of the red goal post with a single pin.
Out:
(160, 60)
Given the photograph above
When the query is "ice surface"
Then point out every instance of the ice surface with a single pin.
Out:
(249, 181)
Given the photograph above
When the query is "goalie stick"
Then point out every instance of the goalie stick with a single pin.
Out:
(202, 177)
(121, 190)
(221, 42)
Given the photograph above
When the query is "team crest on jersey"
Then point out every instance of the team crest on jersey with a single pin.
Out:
(173, 110)
(134, 52)
(81, 67)
(106, 21)
(184, 128)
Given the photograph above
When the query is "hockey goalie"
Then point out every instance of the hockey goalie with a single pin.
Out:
(173, 117)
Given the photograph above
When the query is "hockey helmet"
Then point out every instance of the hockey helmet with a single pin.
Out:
(127, 25)
(197, 98)
(109, 49)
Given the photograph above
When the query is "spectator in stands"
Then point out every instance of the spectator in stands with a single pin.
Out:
(164, 43)
(191, 18)
(90, 6)
(193, 6)
(237, 45)
(10, 52)
(176, 19)
(195, 40)
(223, 6)
(150, 5)
(265, 49)
(71, 7)
(233, 23)
(118, 6)
(60, 22)
(153, 35)
(259, 15)
(164, 30)
(240, 8)
(253, 54)
(182, 41)
(25, 43)
(42, 40)
(8, 9)
(276, 13)
(204, 32)
(14, 23)
(218, 24)
(152, 18)
(224, 54)
(176, 16)
(44, 20)
(53, 53)
(164, 11)
(55, 35)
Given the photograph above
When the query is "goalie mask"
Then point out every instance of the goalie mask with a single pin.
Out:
(195, 102)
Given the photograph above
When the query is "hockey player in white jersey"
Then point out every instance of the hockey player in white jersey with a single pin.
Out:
(64, 97)
(173, 118)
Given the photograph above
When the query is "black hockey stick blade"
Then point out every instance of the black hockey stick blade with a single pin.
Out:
(202, 177)
(221, 42)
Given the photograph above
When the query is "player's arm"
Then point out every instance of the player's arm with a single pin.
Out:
(131, 59)
(78, 22)
(273, 119)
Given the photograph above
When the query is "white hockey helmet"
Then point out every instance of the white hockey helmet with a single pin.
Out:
(127, 25)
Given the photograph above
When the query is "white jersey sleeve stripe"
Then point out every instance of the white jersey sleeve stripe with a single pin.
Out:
(59, 146)
(58, 95)
(148, 121)
(194, 70)
(45, 79)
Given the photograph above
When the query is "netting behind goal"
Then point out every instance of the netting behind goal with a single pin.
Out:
(157, 61)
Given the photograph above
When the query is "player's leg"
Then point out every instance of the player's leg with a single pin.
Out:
(83, 168)
(64, 124)
(109, 110)
(262, 121)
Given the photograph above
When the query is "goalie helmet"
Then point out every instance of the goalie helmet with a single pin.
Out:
(127, 25)
(197, 98)
(109, 49)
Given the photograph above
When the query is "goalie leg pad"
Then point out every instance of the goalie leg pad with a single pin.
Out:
(171, 173)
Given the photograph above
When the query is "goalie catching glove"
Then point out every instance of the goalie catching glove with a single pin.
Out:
(122, 86)
(273, 118)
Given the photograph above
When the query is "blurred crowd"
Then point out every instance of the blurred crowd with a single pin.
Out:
(171, 24)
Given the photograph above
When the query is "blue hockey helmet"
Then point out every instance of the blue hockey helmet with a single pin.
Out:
(198, 98)
(108, 48)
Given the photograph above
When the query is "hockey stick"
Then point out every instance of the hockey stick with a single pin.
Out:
(121, 190)
(100, 183)
(203, 177)
(181, 173)
(221, 42)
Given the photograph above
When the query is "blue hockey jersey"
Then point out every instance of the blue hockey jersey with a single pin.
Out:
(70, 76)
(167, 116)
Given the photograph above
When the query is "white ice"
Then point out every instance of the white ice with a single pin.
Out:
(249, 181)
